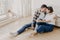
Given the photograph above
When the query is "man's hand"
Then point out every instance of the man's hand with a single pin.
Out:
(39, 21)
(32, 27)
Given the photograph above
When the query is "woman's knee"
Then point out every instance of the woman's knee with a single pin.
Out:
(39, 30)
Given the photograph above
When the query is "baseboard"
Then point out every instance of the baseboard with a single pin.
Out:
(8, 21)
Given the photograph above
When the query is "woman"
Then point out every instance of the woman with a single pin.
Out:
(46, 25)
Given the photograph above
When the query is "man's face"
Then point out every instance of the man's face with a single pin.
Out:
(43, 9)
(47, 10)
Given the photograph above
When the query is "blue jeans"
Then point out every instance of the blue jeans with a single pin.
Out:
(25, 27)
(44, 27)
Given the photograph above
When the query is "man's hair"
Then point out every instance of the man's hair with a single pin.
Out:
(44, 6)
(50, 8)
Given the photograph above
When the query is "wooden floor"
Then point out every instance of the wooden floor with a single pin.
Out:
(5, 30)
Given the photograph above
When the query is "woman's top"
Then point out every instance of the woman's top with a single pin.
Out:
(51, 17)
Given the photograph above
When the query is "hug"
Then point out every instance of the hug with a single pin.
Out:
(43, 21)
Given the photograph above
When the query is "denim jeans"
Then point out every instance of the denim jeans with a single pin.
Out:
(44, 27)
(25, 27)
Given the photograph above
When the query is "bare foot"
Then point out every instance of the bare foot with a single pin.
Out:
(14, 34)
(32, 28)
(33, 34)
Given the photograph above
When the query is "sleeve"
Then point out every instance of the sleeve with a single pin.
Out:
(36, 15)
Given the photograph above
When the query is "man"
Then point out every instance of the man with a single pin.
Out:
(41, 13)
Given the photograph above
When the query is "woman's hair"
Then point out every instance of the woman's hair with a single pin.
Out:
(50, 8)
(44, 6)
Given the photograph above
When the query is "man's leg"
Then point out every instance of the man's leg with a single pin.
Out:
(23, 28)
(14, 34)
(26, 26)
(34, 24)
(49, 27)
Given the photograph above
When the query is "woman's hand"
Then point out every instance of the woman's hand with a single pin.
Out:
(40, 20)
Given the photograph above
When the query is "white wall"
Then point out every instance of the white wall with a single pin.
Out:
(20, 7)
(2, 7)
(54, 3)
(24, 7)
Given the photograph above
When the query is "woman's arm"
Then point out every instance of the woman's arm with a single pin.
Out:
(43, 20)
(50, 20)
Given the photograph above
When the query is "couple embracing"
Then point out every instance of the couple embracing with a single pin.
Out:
(43, 21)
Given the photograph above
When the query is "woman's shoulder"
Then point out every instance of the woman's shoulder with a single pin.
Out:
(54, 14)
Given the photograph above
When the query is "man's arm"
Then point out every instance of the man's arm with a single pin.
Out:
(36, 15)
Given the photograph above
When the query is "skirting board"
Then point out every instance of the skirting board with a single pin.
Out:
(7, 21)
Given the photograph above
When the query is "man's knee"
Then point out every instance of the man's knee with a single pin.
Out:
(27, 25)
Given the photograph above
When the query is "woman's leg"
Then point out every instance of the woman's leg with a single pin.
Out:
(43, 28)
(49, 27)
(39, 29)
